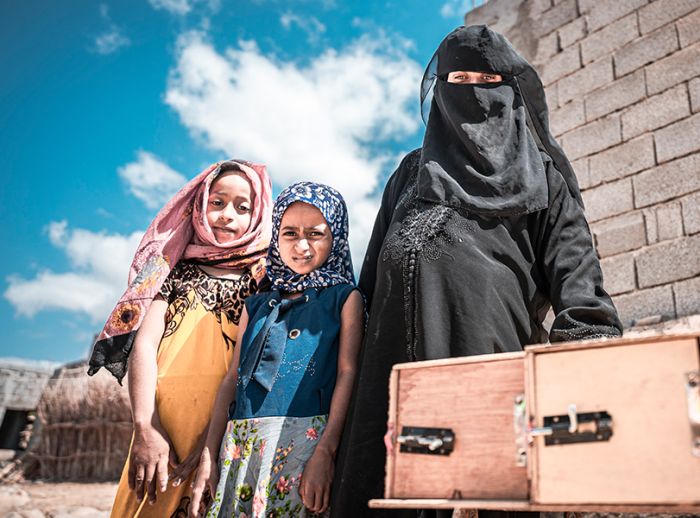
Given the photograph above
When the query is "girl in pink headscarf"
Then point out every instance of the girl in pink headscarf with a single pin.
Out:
(177, 323)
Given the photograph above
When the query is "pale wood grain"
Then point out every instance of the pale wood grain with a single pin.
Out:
(514, 505)
(475, 399)
(648, 460)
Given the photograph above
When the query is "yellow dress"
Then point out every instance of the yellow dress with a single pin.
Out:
(193, 356)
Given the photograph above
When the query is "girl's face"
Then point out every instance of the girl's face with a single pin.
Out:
(229, 206)
(305, 239)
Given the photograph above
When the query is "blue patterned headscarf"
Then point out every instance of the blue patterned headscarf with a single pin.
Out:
(338, 267)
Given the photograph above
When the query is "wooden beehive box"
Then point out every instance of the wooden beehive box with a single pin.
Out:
(608, 425)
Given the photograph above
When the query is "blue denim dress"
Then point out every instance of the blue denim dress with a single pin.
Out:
(287, 374)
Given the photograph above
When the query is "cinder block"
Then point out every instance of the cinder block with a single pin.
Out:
(567, 117)
(603, 12)
(669, 221)
(689, 28)
(650, 224)
(586, 80)
(660, 12)
(616, 95)
(678, 139)
(572, 32)
(539, 6)
(668, 181)
(668, 261)
(648, 49)
(585, 6)
(608, 200)
(655, 112)
(555, 17)
(645, 303)
(610, 38)
(619, 234)
(687, 295)
(547, 46)
(694, 87)
(676, 68)
(691, 213)
(551, 93)
(560, 65)
(593, 137)
(623, 160)
(618, 274)
(581, 169)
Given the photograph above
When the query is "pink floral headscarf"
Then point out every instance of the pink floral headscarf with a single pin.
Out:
(181, 231)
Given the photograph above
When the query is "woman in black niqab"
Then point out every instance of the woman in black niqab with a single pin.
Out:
(479, 233)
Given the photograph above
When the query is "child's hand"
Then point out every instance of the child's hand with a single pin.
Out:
(148, 464)
(315, 487)
(181, 471)
(207, 478)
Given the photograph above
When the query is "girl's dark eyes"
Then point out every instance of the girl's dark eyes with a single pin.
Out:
(216, 203)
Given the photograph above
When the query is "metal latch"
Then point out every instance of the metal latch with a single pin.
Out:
(574, 427)
(692, 394)
(432, 441)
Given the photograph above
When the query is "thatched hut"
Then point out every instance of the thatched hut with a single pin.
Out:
(83, 428)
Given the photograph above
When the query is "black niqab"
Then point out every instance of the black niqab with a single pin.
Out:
(481, 150)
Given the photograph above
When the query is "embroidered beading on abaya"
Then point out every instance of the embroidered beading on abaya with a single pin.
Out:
(471, 246)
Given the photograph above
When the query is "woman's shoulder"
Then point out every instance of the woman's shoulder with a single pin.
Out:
(560, 190)
(401, 178)
(407, 167)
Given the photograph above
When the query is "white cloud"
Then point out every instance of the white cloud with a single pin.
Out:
(458, 8)
(180, 7)
(150, 180)
(323, 121)
(311, 25)
(183, 7)
(99, 263)
(111, 41)
(113, 38)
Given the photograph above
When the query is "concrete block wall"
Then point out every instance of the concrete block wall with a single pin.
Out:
(623, 85)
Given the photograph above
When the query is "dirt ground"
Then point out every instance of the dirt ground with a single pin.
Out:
(56, 500)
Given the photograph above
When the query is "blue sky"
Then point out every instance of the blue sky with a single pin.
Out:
(107, 108)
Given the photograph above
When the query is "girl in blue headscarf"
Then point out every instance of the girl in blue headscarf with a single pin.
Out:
(288, 389)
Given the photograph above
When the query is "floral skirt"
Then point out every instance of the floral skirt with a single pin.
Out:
(261, 463)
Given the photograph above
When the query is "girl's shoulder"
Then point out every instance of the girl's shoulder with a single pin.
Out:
(335, 296)
(253, 302)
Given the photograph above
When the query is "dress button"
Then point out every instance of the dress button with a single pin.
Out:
(294, 334)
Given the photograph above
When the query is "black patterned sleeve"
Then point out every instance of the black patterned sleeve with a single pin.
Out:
(569, 262)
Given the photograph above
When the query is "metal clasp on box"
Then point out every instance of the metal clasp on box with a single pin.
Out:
(571, 428)
(692, 395)
(574, 427)
(432, 441)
